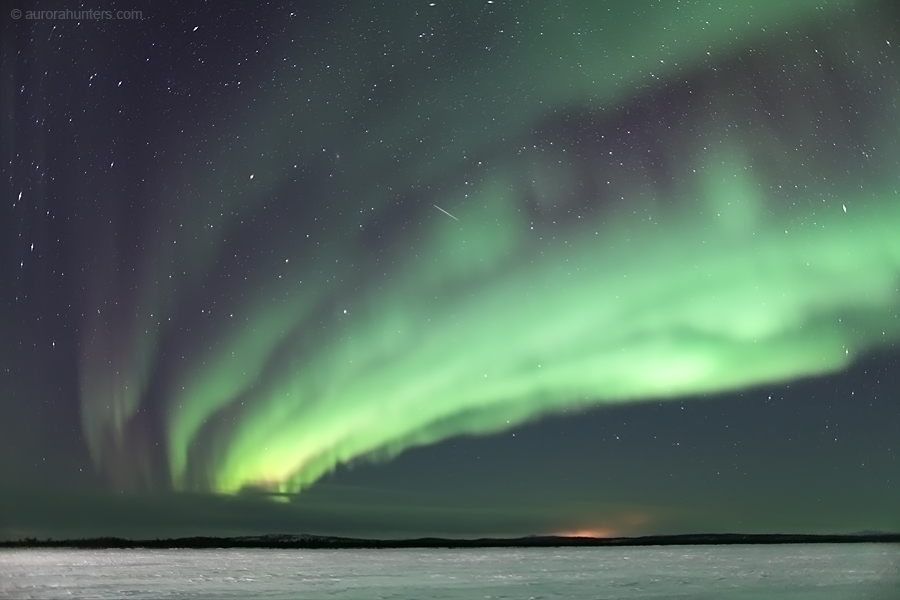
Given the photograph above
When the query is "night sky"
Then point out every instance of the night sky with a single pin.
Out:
(617, 267)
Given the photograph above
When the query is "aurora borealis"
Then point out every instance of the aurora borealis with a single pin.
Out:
(252, 256)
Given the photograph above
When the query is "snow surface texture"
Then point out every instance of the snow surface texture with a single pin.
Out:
(826, 572)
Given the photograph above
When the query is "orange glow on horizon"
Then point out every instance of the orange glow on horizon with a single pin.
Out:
(592, 532)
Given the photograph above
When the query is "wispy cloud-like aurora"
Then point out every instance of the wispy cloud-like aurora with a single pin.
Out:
(728, 221)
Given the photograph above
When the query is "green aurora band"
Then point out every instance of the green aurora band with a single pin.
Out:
(676, 317)
(567, 278)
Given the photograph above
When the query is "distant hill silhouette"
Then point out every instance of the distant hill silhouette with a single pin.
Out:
(318, 541)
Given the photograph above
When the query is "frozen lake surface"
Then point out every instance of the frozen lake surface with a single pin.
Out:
(830, 572)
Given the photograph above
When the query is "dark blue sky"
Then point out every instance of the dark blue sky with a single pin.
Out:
(450, 268)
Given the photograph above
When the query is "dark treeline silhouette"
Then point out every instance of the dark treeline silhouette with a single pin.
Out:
(319, 542)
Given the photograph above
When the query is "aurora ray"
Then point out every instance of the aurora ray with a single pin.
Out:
(650, 223)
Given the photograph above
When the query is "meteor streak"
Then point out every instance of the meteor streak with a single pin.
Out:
(445, 212)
